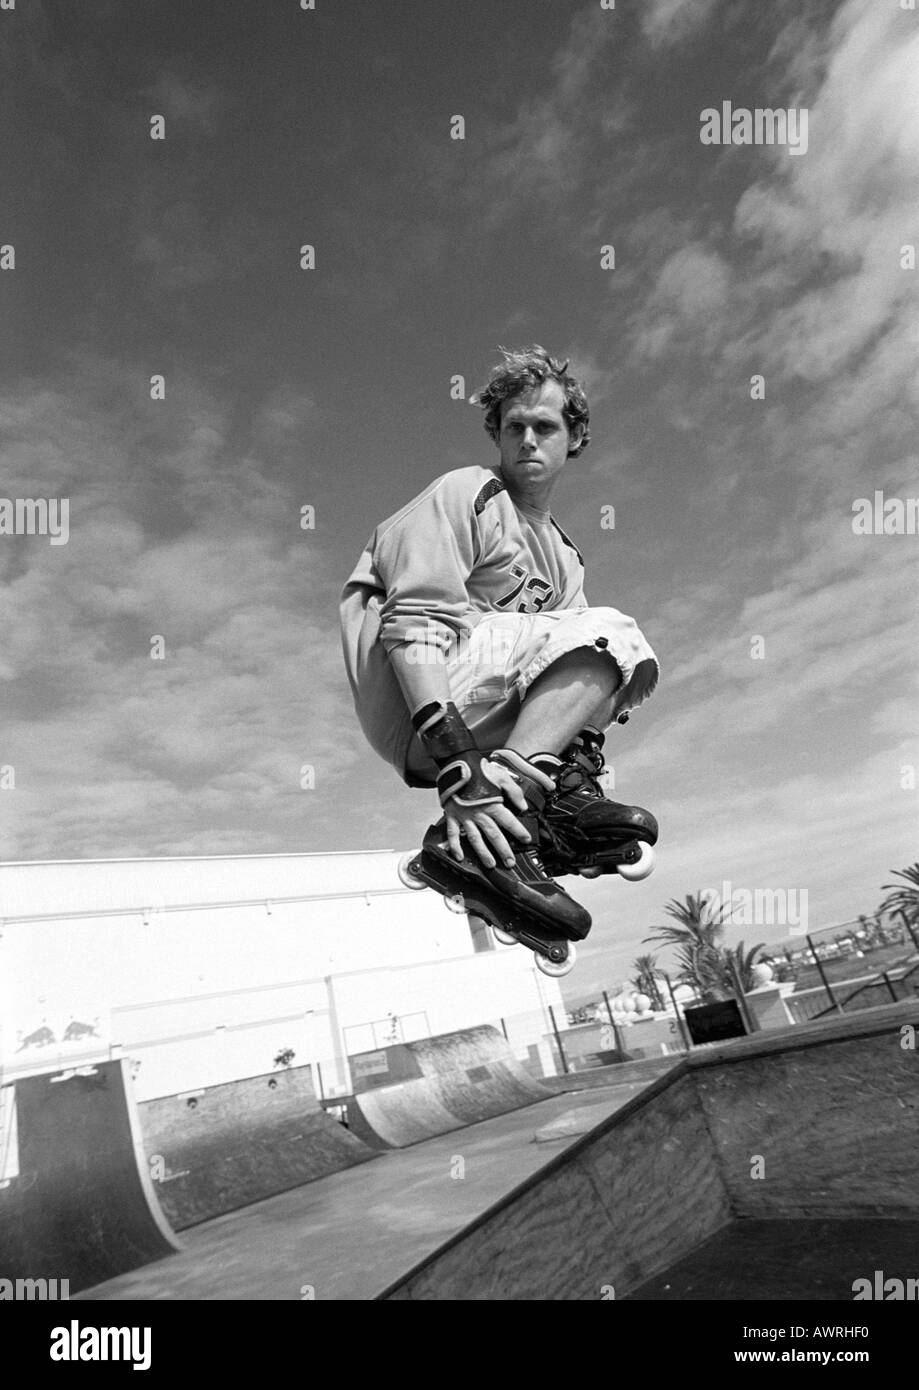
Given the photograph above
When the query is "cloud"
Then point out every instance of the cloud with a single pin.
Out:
(113, 750)
(193, 106)
(282, 420)
(551, 141)
(690, 297)
(803, 281)
(836, 218)
(668, 22)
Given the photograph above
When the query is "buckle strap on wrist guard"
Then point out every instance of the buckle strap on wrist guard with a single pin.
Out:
(452, 747)
(442, 731)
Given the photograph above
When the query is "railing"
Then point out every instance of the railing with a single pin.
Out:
(889, 986)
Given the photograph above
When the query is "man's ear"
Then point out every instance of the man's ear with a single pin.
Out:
(575, 439)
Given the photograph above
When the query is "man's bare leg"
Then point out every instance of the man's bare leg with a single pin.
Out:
(576, 690)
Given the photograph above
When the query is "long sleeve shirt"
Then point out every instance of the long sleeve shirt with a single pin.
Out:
(460, 549)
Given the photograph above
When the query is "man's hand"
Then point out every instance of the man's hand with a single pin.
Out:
(487, 827)
(477, 795)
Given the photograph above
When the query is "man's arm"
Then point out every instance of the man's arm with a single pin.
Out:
(424, 560)
(486, 820)
(420, 668)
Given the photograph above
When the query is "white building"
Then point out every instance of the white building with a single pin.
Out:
(203, 969)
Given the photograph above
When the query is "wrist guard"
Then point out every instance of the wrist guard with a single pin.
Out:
(452, 747)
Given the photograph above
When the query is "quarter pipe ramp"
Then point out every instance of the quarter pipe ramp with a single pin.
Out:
(77, 1202)
(413, 1091)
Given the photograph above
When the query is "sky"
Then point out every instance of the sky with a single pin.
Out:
(779, 752)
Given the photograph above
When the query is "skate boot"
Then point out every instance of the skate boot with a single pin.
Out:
(520, 903)
(583, 831)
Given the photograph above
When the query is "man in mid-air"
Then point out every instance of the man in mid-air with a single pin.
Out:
(478, 666)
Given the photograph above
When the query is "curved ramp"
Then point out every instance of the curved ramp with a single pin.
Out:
(76, 1201)
(221, 1148)
(414, 1091)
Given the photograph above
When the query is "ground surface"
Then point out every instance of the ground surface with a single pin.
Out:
(350, 1234)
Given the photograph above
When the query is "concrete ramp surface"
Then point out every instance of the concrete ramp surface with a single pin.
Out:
(77, 1202)
(810, 1129)
(221, 1148)
(413, 1091)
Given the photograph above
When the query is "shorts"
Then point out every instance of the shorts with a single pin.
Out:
(492, 669)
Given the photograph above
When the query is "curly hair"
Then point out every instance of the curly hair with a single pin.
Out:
(524, 369)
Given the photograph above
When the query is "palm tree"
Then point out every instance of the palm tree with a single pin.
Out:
(696, 941)
(744, 962)
(646, 979)
(903, 900)
(704, 962)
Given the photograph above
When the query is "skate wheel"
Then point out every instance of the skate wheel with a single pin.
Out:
(404, 870)
(456, 902)
(505, 937)
(641, 867)
(591, 873)
(557, 968)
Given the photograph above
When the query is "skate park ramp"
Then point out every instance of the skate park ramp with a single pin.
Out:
(224, 1147)
(76, 1201)
(349, 1234)
(409, 1092)
(715, 1176)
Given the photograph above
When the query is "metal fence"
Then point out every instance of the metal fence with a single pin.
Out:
(855, 965)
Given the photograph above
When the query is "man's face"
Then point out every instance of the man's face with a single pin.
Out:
(534, 440)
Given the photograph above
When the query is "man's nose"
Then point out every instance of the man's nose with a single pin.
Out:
(529, 438)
